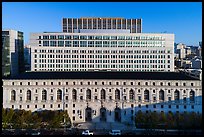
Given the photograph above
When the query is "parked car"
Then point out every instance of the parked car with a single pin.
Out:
(115, 132)
(36, 133)
(87, 132)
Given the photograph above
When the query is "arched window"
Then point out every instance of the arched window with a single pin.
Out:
(146, 95)
(74, 94)
(176, 95)
(29, 95)
(192, 96)
(103, 94)
(44, 95)
(117, 94)
(13, 95)
(161, 95)
(131, 95)
(88, 94)
(59, 95)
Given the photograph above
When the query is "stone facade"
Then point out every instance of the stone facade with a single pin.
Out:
(103, 100)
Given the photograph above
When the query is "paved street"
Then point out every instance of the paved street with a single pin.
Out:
(78, 131)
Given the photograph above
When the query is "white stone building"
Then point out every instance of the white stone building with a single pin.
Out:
(96, 51)
(103, 96)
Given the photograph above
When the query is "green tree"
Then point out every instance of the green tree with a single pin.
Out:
(36, 120)
(154, 119)
(7, 116)
(170, 120)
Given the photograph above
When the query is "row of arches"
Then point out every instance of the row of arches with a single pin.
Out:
(103, 114)
(103, 95)
(28, 95)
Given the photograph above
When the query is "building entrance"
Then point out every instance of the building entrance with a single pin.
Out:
(103, 114)
(117, 114)
(88, 114)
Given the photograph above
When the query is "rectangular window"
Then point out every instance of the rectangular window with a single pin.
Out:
(169, 98)
(139, 98)
(66, 97)
(110, 97)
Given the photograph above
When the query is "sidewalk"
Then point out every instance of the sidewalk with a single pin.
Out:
(105, 126)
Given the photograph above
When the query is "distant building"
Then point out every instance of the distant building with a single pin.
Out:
(188, 51)
(181, 50)
(194, 73)
(27, 59)
(187, 64)
(196, 63)
(71, 25)
(198, 51)
(12, 52)
(200, 44)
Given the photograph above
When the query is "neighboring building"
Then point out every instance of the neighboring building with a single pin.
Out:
(181, 50)
(200, 44)
(12, 53)
(27, 57)
(175, 47)
(195, 73)
(102, 52)
(199, 52)
(196, 63)
(187, 64)
(188, 51)
(103, 96)
(72, 25)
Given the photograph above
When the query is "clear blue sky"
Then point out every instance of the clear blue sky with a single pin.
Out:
(184, 19)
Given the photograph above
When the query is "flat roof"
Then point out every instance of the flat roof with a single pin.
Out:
(104, 75)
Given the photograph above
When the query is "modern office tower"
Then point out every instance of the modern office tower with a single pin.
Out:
(102, 51)
(72, 25)
(27, 58)
(12, 53)
(103, 96)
